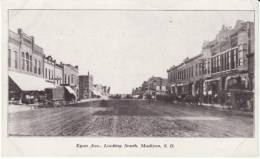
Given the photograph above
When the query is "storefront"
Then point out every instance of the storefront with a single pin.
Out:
(237, 82)
(70, 95)
(25, 88)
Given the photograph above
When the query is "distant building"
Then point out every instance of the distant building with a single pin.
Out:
(49, 69)
(58, 73)
(157, 86)
(71, 77)
(100, 90)
(153, 86)
(85, 86)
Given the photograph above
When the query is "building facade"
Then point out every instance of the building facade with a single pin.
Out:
(85, 86)
(226, 63)
(25, 63)
(157, 86)
(24, 56)
(49, 73)
(71, 77)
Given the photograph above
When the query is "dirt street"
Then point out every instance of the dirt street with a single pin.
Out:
(130, 118)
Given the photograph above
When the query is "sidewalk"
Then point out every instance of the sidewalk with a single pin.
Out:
(19, 108)
(224, 108)
(93, 99)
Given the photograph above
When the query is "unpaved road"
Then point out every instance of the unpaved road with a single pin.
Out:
(129, 118)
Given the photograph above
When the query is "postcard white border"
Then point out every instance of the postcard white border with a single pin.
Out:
(185, 147)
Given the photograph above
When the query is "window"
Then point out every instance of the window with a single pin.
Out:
(235, 59)
(30, 63)
(49, 74)
(199, 68)
(39, 68)
(224, 62)
(191, 71)
(68, 79)
(9, 57)
(236, 55)
(208, 66)
(27, 61)
(35, 66)
(23, 61)
(15, 59)
(227, 61)
(221, 63)
(240, 58)
(232, 60)
(71, 78)
(196, 70)
(65, 78)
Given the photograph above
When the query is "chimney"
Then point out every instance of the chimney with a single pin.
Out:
(20, 31)
(77, 67)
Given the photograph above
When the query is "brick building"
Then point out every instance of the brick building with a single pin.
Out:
(225, 63)
(25, 63)
(85, 86)
(71, 78)
(28, 62)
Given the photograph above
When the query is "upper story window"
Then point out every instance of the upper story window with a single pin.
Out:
(30, 63)
(27, 61)
(35, 66)
(23, 60)
(65, 79)
(39, 68)
(9, 57)
(15, 59)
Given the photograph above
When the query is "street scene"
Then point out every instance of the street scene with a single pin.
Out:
(131, 74)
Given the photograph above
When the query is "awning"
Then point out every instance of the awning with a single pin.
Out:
(70, 90)
(28, 82)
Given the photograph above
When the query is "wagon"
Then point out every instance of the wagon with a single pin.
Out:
(55, 96)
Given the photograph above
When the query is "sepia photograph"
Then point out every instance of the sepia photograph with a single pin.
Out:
(130, 78)
(131, 73)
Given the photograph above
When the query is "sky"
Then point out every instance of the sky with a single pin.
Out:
(122, 48)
